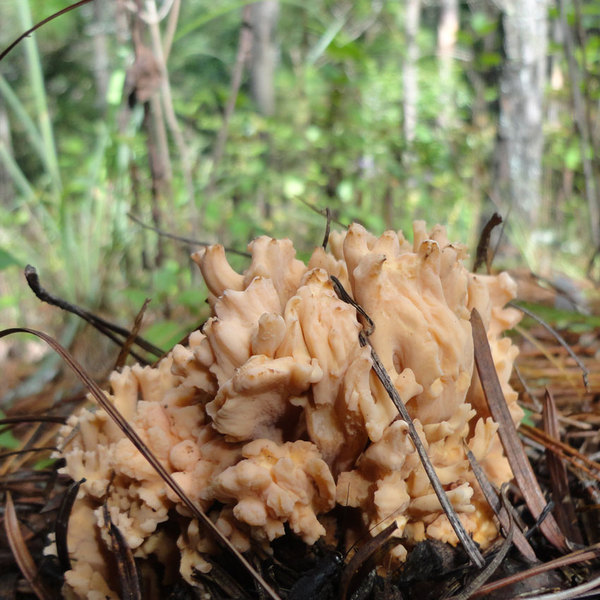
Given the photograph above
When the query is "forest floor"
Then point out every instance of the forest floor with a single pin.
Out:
(556, 390)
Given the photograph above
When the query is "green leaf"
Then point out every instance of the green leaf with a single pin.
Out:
(136, 296)
(7, 439)
(490, 59)
(482, 24)
(527, 418)
(345, 191)
(572, 157)
(165, 334)
(44, 463)
(293, 187)
(115, 87)
(7, 260)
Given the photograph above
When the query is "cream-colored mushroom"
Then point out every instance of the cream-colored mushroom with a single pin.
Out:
(272, 413)
(278, 484)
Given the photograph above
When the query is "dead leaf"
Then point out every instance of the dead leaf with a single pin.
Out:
(515, 454)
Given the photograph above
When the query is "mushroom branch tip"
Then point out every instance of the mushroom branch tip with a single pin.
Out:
(272, 414)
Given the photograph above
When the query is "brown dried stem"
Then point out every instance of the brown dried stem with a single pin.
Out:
(468, 544)
(109, 329)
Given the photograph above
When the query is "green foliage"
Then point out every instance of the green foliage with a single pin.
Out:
(562, 319)
(7, 260)
(7, 440)
(79, 162)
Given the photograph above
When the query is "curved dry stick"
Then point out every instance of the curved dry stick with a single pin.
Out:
(43, 22)
(362, 555)
(106, 327)
(20, 551)
(244, 47)
(61, 525)
(502, 511)
(467, 542)
(590, 553)
(185, 240)
(482, 255)
(559, 339)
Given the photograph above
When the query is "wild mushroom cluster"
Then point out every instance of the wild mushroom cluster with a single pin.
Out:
(271, 414)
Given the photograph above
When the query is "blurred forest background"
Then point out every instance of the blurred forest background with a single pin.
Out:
(224, 120)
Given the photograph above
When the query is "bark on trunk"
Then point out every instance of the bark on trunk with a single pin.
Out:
(520, 135)
(447, 32)
(580, 118)
(263, 16)
(410, 73)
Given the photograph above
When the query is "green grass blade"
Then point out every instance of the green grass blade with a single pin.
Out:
(31, 131)
(39, 94)
(17, 176)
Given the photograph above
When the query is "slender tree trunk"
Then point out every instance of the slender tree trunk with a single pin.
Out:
(520, 135)
(446, 43)
(263, 60)
(585, 137)
(263, 20)
(410, 72)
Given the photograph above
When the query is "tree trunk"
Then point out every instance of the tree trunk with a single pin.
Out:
(446, 43)
(520, 135)
(410, 72)
(263, 17)
(583, 126)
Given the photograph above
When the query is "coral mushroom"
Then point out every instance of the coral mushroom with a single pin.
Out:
(272, 413)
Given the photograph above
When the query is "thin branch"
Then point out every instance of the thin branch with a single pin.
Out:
(501, 510)
(169, 111)
(27, 450)
(362, 555)
(345, 296)
(568, 559)
(183, 239)
(171, 27)
(482, 254)
(327, 228)
(584, 371)
(244, 46)
(468, 544)
(490, 569)
(29, 419)
(40, 24)
(322, 212)
(126, 347)
(104, 326)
